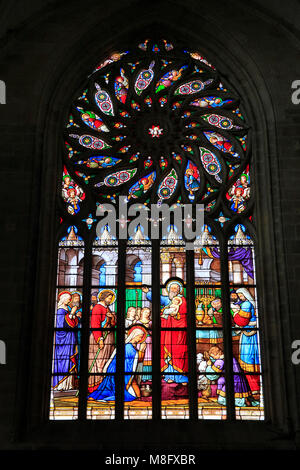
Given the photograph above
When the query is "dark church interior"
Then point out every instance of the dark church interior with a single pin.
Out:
(47, 49)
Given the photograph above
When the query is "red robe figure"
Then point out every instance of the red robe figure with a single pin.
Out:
(174, 354)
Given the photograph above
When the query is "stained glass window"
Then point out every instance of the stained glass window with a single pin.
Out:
(144, 325)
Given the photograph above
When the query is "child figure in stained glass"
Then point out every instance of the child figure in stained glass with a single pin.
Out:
(203, 383)
(220, 142)
(146, 366)
(141, 187)
(239, 193)
(172, 309)
(208, 101)
(249, 348)
(244, 182)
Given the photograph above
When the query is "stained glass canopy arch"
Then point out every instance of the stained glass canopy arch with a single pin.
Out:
(143, 329)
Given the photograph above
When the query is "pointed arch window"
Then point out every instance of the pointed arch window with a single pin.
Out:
(148, 328)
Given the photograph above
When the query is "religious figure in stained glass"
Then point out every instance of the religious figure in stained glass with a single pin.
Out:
(65, 353)
(102, 341)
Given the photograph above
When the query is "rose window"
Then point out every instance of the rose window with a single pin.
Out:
(149, 117)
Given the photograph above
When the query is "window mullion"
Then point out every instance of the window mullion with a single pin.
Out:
(156, 347)
(228, 355)
(86, 297)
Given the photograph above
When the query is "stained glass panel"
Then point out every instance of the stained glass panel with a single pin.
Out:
(173, 337)
(210, 374)
(209, 313)
(241, 264)
(67, 327)
(252, 400)
(138, 324)
(138, 265)
(138, 398)
(105, 266)
(72, 193)
(70, 266)
(239, 193)
(174, 399)
(172, 263)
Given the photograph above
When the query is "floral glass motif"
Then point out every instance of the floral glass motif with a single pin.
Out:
(157, 124)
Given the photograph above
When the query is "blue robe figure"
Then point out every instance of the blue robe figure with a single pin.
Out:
(65, 352)
(106, 390)
(249, 350)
